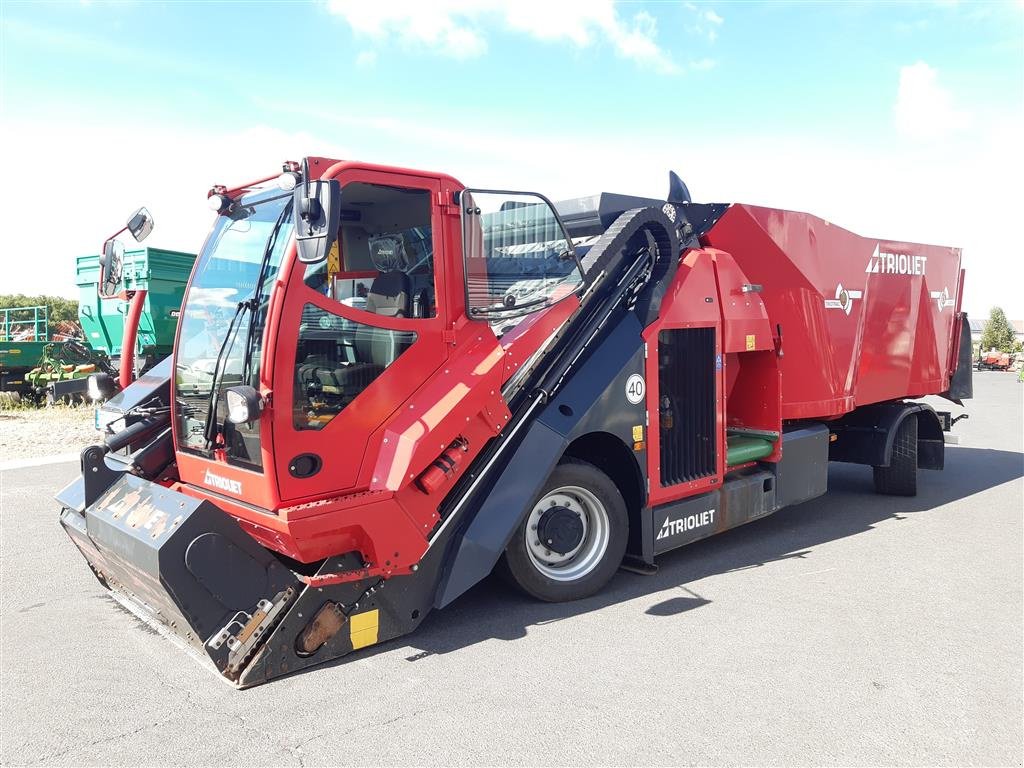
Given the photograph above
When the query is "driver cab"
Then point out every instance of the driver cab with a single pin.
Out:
(381, 264)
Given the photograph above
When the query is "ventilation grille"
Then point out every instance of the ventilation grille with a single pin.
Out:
(686, 391)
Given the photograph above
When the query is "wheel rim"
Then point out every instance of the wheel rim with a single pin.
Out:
(585, 556)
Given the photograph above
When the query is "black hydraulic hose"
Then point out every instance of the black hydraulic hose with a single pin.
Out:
(604, 264)
(578, 342)
(137, 432)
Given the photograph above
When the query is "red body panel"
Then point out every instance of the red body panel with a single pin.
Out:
(863, 320)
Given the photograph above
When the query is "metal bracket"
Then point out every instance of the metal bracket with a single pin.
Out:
(251, 629)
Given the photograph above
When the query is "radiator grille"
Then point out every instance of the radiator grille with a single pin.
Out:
(686, 391)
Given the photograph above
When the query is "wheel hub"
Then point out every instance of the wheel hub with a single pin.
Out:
(576, 524)
(560, 530)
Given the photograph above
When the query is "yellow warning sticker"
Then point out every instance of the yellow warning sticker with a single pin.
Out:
(751, 342)
(334, 260)
(363, 628)
(638, 433)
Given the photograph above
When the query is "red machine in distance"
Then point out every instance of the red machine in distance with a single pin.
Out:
(385, 384)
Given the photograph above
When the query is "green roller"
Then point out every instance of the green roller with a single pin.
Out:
(743, 448)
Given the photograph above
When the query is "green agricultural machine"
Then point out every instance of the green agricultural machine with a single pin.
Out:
(34, 364)
(24, 336)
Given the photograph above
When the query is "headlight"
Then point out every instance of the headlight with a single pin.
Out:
(244, 404)
(100, 386)
(218, 203)
(288, 180)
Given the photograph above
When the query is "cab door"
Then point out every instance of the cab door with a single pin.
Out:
(359, 332)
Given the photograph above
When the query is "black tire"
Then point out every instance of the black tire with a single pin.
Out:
(900, 477)
(592, 486)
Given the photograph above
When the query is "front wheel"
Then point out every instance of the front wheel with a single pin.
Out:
(573, 538)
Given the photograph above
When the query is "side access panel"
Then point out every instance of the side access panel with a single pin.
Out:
(802, 474)
(746, 495)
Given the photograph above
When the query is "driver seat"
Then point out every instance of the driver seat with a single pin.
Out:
(391, 290)
(390, 295)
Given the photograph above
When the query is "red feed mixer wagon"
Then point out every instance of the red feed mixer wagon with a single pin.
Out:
(386, 385)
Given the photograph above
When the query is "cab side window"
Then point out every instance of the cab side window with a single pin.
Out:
(518, 258)
(383, 259)
(382, 264)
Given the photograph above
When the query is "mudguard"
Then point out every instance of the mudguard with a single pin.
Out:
(961, 384)
(594, 399)
(866, 435)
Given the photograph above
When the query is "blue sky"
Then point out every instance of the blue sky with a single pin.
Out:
(900, 120)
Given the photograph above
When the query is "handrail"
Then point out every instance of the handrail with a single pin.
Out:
(38, 325)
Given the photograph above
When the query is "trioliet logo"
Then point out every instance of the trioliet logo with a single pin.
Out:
(683, 524)
(891, 263)
(223, 483)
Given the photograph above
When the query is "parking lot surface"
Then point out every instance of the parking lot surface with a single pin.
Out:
(853, 629)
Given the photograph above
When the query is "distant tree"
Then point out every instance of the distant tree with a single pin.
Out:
(58, 307)
(998, 333)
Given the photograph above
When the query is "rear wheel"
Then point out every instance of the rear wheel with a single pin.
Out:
(573, 538)
(900, 477)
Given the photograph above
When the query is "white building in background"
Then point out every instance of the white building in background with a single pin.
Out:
(978, 326)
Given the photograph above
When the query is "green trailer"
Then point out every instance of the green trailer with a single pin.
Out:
(24, 336)
(33, 364)
(163, 274)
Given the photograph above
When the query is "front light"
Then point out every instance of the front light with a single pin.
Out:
(100, 386)
(243, 403)
(288, 180)
(218, 203)
(238, 409)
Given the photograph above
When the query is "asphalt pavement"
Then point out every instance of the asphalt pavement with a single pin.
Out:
(854, 629)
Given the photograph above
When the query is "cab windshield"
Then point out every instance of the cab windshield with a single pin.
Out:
(222, 323)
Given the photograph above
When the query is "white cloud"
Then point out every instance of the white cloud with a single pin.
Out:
(924, 109)
(704, 21)
(458, 28)
(366, 59)
(438, 25)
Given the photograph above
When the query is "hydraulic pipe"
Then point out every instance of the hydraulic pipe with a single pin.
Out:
(131, 332)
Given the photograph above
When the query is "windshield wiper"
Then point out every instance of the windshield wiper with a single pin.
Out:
(210, 428)
(257, 293)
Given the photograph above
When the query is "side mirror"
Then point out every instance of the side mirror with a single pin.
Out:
(140, 224)
(317, 212)
(111, 265)
(244, 404)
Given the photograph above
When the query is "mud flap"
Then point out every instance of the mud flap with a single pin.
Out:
(187, 565)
